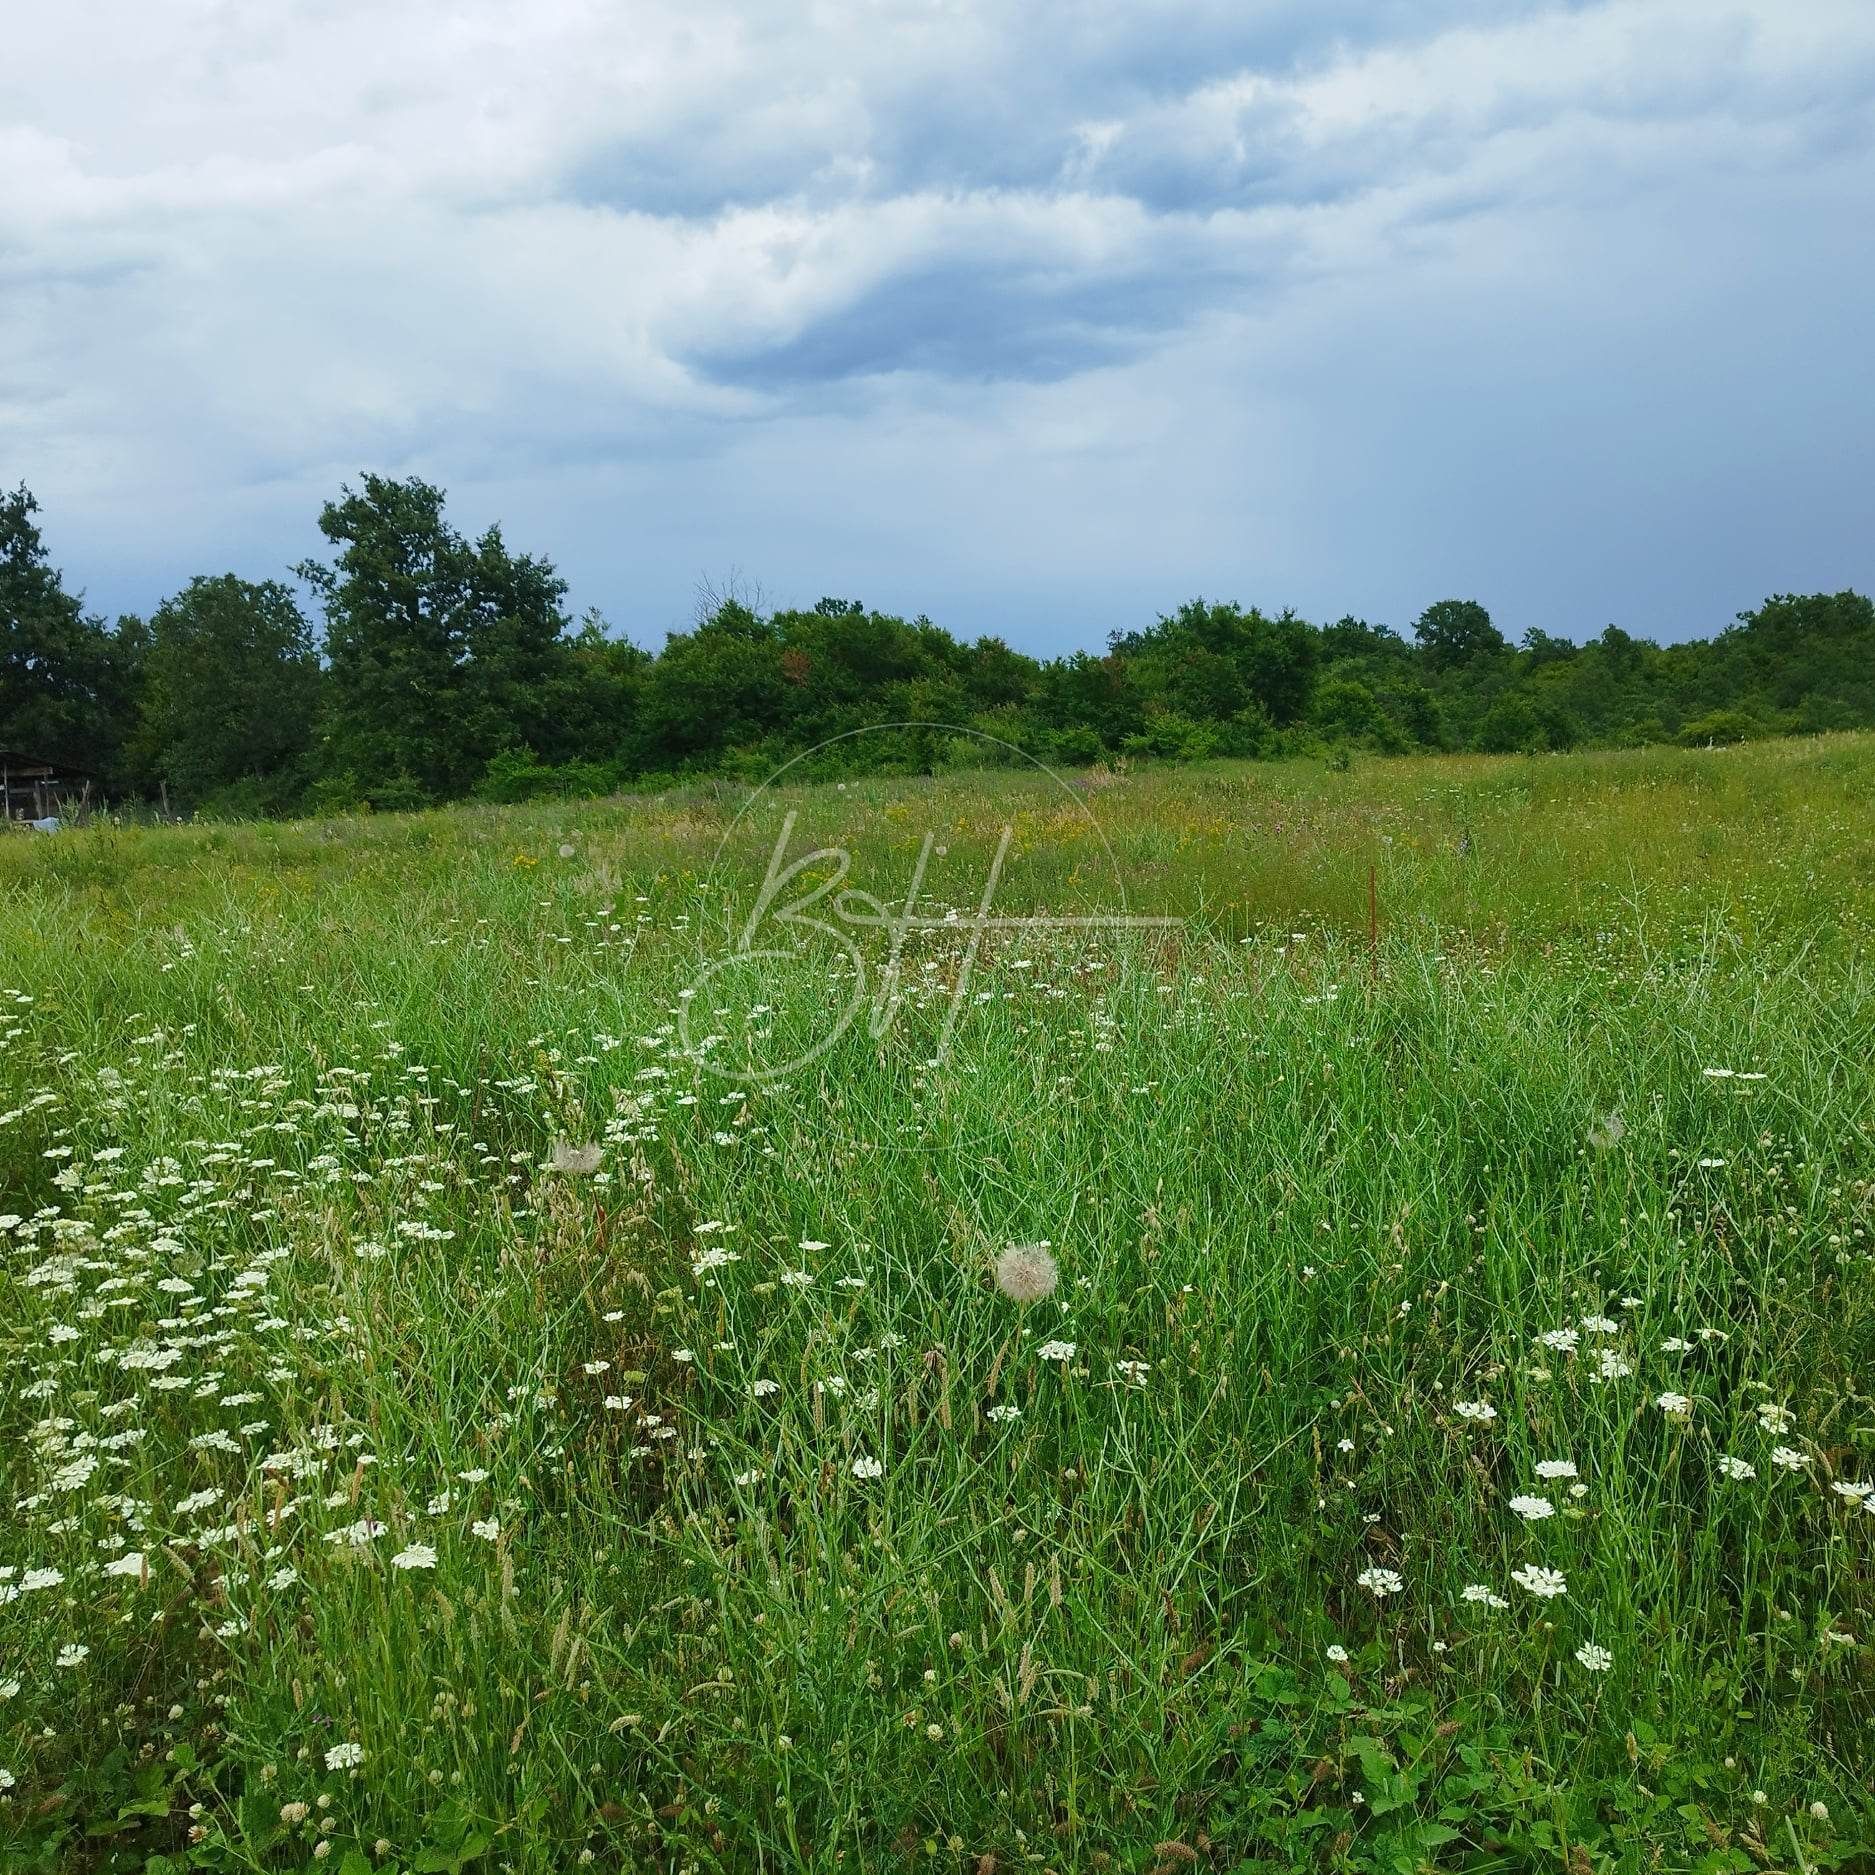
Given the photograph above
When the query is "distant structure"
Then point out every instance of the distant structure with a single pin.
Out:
(33, 788)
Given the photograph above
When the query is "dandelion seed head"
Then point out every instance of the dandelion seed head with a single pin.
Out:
(1027, 1273)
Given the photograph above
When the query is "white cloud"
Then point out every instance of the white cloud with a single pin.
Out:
(1013, 247)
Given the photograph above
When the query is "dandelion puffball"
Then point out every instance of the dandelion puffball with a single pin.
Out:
(1026, 1272)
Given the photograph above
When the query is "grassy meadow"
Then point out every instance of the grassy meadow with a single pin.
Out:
(505, 1368)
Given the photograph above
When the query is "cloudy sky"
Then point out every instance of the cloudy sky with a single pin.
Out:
(1034, 315)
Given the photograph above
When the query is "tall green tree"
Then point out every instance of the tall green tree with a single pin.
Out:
(442, 652)
(1456, 632)
(521, 686)
(231, 687)
(67, 682)
(717, 688)
(397, 636)
(1221, 663)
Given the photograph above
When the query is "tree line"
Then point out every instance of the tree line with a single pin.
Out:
(411, 664)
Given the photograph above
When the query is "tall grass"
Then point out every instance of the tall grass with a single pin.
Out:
(714, 1509)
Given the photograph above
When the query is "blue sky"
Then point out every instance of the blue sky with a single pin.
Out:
(1037, 317)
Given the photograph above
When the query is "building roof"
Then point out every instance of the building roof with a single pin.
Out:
(24, 765)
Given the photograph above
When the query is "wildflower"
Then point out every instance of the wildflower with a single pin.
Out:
(1788, 1458)
(292, 1813)
(760, 1389)
(1775, 1419)
(1675, 1404)
(1596, 1659)
(1339, 1655)
(1133, 1372)
(1483, 1596)
(1614, 1366)
(1539, 1581)
(1533, 1509)
(416, 1556)
(1820, 1811)
(1736, 1468)
(1856, 1490)
(128, 1564)
(864, 1467)
(1027, 1273)
(71, 1654)
(1480, 1412)
(1563, 1340)
(1600, 1325)
(1381, 1582)
(1556, 1468)
(347, 1756)
(487, 1528)
(1002, 1415)
(1055, 1351)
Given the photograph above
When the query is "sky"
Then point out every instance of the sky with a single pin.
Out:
(1037, 317)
